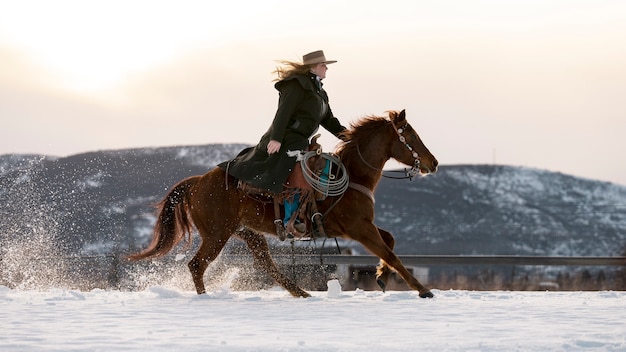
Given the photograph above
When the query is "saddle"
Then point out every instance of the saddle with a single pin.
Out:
(307, 212)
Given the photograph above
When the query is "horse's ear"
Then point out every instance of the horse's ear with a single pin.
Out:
(401, 117)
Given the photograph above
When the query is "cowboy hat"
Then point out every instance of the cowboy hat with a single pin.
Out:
(316, 57)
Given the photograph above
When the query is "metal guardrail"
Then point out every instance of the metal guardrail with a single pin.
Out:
(409, 260)
(426, 260)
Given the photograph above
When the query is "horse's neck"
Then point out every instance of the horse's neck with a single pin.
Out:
(367, 169)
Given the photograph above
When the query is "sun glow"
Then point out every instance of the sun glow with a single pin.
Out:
(92, 46)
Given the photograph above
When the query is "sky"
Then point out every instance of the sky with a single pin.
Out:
(530, 83)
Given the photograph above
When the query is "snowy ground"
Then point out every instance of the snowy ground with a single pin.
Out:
(167, 319)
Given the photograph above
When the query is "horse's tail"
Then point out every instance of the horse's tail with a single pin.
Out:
(173, 222)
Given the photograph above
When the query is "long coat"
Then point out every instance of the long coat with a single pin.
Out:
(302, 108)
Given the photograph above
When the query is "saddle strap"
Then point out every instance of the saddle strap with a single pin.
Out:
(368, 192)
(316, 218)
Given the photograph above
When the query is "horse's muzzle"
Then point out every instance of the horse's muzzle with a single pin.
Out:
(429, 170)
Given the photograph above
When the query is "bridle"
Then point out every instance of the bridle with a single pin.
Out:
(408, 173)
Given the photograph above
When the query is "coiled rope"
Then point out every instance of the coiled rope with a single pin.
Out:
(333, 181)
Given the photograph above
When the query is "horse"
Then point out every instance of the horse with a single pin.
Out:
(218, 210)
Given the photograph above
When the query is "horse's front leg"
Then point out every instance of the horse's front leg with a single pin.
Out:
(382, 270)
(260, 250)
(372, 240)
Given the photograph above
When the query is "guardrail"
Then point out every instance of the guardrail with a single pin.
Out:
(425, 260)
(408, 260)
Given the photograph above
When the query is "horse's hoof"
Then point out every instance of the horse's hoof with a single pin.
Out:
(202, 297)
(305, 295)
(300, 293)
(382, 284)
(427, 294)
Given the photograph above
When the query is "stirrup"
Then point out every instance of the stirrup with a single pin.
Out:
(296, 230)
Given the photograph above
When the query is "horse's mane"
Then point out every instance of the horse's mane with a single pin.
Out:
(362, 130)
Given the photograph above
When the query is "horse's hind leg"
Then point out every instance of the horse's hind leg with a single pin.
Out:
(208, 251)
(261, 252)
(383, 270)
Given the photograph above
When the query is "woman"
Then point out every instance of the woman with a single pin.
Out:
(302, 108)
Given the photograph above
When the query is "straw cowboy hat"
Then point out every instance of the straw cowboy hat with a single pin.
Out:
(316, 57)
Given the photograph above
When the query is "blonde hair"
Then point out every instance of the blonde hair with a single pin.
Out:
(290, 68)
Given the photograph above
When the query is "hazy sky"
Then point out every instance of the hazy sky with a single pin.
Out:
(529, 83)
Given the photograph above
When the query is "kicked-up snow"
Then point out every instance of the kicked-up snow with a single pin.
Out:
(167, 319)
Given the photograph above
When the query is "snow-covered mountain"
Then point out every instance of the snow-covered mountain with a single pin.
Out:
(101, 203)
(486, 209)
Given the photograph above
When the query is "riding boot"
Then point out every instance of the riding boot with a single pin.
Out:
(291, 207)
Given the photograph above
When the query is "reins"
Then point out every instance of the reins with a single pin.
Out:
(382, 172)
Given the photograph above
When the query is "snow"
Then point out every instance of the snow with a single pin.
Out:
(168, 319)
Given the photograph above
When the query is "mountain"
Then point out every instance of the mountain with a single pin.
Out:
(98, 202)
(504, 210)
(101, 203)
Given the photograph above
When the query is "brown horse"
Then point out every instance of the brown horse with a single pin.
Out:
(218, 209)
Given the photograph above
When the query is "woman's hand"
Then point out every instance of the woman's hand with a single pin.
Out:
(273, 147)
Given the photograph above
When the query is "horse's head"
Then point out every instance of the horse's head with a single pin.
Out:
(409, 148)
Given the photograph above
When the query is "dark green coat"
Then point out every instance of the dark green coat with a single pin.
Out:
(302, 108)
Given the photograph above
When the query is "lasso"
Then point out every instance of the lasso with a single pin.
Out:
(333, 181)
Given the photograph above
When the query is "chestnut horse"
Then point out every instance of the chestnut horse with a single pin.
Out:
(214, 205)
